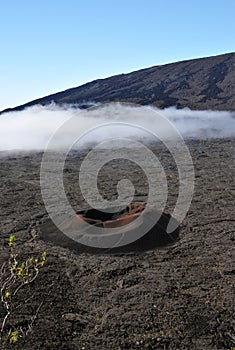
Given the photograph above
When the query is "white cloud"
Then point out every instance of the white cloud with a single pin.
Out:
(32, 128)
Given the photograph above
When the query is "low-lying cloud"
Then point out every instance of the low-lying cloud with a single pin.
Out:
(32, 128)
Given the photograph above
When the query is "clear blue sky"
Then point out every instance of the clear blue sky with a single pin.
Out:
(49, 46)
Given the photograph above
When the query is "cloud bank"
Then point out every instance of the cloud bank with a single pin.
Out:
(32, 128)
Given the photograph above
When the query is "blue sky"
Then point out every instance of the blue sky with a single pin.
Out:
(49, 46)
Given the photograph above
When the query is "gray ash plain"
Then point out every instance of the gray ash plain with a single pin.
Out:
(175, 297)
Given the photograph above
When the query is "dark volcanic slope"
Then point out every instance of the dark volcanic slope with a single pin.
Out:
(205, 83)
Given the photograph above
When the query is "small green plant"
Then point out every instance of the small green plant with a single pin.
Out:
(13, 335)
(17, 273)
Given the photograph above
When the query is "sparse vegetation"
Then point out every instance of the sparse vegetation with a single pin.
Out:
(17, 273)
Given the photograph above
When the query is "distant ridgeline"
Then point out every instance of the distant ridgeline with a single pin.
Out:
(204, 83)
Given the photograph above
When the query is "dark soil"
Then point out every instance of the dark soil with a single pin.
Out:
(174, 297)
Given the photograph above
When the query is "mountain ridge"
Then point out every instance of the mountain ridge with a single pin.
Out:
(201, 83)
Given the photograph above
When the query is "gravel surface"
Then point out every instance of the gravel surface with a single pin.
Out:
(175, 297)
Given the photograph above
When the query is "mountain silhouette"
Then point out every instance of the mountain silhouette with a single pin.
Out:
(204, 83)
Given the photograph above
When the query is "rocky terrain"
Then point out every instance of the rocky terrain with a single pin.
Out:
(178, 296)
(205, 83)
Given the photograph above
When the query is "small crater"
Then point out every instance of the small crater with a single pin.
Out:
(154, 238)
